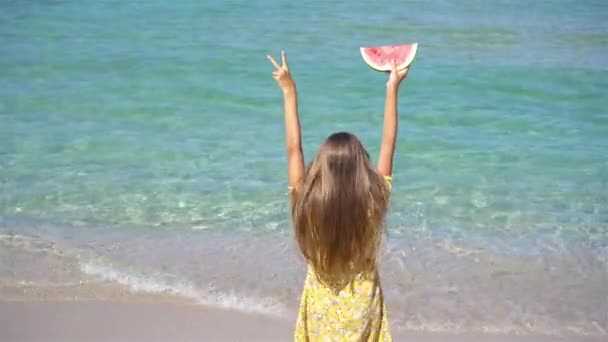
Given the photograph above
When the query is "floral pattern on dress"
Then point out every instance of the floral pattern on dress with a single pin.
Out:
(354, 312)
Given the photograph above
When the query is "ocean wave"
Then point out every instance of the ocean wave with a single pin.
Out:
(31, 244)
(159, 283)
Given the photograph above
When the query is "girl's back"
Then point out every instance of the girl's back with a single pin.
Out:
(338, 211)
(338, 208)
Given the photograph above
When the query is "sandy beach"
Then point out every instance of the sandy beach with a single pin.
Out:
(91, 309)
(106, 321)
(163, 321)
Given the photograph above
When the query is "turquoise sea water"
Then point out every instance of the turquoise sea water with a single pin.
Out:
(151, 133)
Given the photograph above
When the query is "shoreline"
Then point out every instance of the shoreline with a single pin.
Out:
(97, 320)
(53, 292)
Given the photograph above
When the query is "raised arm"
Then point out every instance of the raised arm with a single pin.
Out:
(293, 141)
(391, 121)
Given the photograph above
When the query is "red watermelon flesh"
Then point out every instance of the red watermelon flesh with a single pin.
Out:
(380, 57)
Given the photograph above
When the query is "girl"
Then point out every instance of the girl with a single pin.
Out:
(338, 206)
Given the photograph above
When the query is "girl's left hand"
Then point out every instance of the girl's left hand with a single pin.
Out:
(282, 74)
(395, 76)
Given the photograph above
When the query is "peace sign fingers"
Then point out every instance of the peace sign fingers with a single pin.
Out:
(282, 74)
(284, 60)
(276, 65)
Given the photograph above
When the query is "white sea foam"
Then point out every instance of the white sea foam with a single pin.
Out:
(158, 283)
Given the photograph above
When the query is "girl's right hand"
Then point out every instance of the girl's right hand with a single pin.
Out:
(395, 77)
(282, 74)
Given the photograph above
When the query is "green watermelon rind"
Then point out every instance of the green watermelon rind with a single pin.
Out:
(404, 65)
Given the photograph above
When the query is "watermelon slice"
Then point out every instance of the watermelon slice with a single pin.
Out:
(379, 57)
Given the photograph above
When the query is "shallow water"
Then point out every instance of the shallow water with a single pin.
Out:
(145, 141)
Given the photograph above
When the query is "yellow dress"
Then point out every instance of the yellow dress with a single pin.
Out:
(356, 312)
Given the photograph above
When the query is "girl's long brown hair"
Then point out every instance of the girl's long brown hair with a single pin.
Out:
(338, 210)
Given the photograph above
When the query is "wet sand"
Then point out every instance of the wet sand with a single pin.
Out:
(163, 321)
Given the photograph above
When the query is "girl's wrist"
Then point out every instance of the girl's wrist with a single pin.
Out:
(289, 90)
(391, 87)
